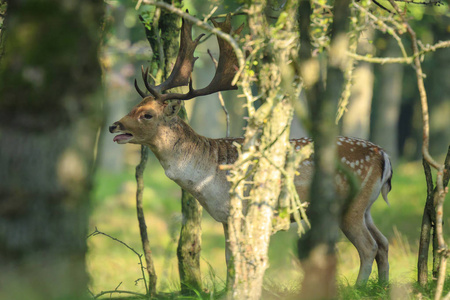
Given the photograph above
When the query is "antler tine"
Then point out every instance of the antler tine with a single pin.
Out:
(147, 85)
(143, 95)
(144, 78)
(228, 63)
(225, 71)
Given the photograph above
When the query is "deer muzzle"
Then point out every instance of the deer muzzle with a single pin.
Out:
(122, 137)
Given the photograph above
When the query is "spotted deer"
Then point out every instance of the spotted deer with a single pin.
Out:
(193, 161)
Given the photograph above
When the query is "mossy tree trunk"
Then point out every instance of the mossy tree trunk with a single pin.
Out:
(428, 228)
(258, 176)
(50, 84)
(317, 247)
(189, 244)
(164, 35)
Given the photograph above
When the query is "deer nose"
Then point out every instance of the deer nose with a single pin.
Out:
(113, 127)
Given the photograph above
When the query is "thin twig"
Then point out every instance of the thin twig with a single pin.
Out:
(118, 292)
(138, 5)
(97, 232)
(381, 24)
(431, 2)
(381, 6)
(208, 16)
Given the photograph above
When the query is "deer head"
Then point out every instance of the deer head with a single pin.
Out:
(157, 111)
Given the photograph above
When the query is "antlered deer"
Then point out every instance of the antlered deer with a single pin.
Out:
(194, 161)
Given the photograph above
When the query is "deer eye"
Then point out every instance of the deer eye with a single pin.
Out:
(147, 116)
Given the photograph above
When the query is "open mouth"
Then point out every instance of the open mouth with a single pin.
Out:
(123, 138)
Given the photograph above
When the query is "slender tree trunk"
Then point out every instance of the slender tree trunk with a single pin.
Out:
(387, 102)
(50, 83)
(117, 88)
(190, 241)
(356, 120)
(189, 244)
(437, 86)
(429, 225)
(152, 277)
(316, 248)
(426, 229)
(163, 40)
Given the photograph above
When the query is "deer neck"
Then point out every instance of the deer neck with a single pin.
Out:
(192, 161)
(179, 150)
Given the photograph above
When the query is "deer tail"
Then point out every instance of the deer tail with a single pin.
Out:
(386, 177)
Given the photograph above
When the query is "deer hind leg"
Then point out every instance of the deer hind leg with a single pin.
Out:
(383, 249)
(355, 229)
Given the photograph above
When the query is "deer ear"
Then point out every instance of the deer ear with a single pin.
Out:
(172, 108)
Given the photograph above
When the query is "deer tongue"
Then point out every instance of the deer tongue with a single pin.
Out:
(121, 138)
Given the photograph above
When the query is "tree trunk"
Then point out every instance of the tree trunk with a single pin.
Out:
(250, 233)
(189, 243)
(429, 224)
(258, 175)
(438, 72)
(50, 82)
(387, 102)
(428, 221)
(356, 120)
(317, 247)
(117, 87)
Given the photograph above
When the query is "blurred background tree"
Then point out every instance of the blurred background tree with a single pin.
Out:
(51, 91)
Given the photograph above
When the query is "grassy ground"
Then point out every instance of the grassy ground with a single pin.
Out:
(112, 265)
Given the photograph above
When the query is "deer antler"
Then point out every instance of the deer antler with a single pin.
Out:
(181, 73)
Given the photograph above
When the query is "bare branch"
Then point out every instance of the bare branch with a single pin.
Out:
(431, 2)
(118, 292)
(97, 232)
(401, 60)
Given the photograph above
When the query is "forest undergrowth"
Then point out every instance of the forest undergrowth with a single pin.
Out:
(113, 266)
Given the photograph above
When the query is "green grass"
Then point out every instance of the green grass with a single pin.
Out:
(111, 264)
